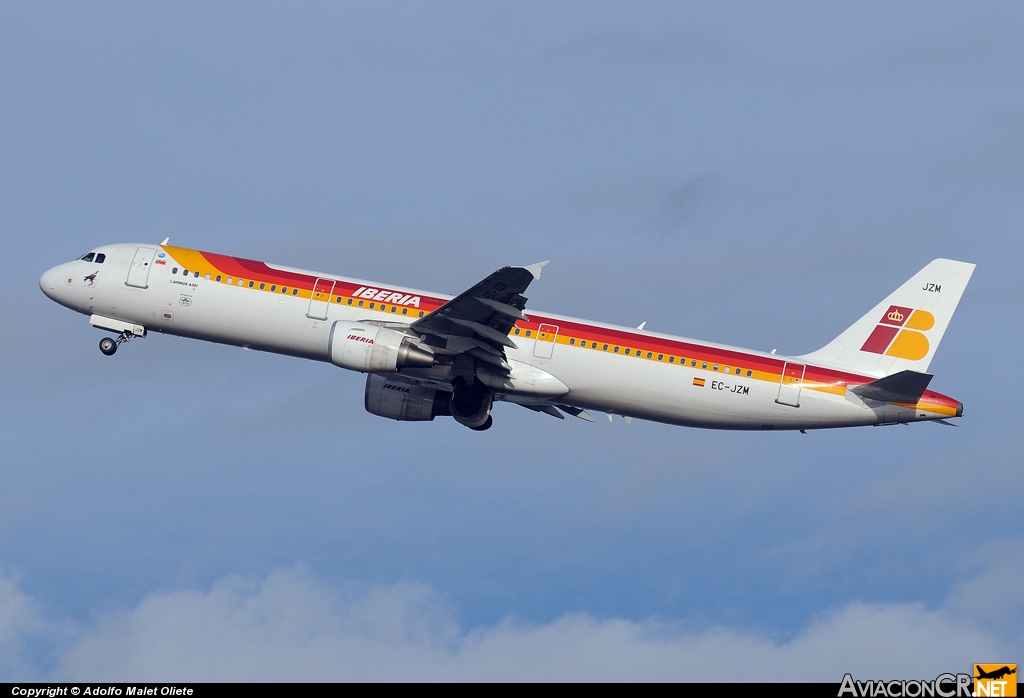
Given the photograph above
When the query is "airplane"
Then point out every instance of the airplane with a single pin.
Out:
(996, 674)
(428, 355)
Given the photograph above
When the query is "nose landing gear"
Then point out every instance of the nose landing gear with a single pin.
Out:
(108, 346)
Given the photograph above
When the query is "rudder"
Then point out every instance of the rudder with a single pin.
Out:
(902, 332)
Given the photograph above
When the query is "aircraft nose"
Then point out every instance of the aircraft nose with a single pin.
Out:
(51, 281)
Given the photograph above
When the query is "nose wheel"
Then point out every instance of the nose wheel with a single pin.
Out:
(108, 346)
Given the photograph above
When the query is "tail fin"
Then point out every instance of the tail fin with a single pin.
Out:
(902, 332)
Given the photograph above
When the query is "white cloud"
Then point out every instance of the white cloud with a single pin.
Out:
(293, 627)
(19, 621)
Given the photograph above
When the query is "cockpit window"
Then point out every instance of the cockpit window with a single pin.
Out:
(87, 257)
(100, 258)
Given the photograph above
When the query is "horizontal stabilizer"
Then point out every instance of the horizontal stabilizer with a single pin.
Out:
(905, 386)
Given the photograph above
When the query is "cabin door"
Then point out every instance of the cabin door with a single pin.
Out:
(321, 299)
(138, 272)
(792, 382)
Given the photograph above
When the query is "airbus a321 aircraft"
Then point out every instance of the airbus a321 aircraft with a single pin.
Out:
(430, 354)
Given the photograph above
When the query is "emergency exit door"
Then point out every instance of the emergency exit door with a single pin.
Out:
(545, 344)
(320, 300)
(790, 385)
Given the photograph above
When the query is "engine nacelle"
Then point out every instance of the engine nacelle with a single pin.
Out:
(471, 403)
(404, 401)
(370, 348)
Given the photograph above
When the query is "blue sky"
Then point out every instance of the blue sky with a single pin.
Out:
(745, 173)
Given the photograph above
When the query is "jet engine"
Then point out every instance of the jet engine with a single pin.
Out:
(403, 401)
(471, 403)
(369, 348)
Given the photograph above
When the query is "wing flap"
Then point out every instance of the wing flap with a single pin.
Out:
(546, 409)
(502, 308)
(484, 331)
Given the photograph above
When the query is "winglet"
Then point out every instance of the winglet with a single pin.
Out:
(535, 269)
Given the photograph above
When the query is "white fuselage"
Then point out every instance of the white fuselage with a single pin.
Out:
(596, 378)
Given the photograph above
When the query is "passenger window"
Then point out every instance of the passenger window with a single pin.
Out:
(87, 257)
(571, 342)
(175, 270)
(517, 330)
(350, 301)
(196, 275)
(649, 355)
(262, 286)
(694, 362)
(616, 350)
(371, 306)
(627, 352)
(749, 373)
(339, 300)
(360, 304)
(219, 277)
(728, 370)
(716, 367)
(100, 258)
(394, 308)
(241, 282)
(184, 272)
(251, 284)
(273, 288)
(295, 291)
(207, 277)
(671, 359)
(704, 365)
(284, 289)
(527, 333)
(421, 313)
(405, 311)
(231, 280)
(604, 348)
(737, 372)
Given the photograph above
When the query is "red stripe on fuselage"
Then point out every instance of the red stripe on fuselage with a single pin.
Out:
(260, 271)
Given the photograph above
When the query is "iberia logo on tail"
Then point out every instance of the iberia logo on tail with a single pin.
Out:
(900, 334)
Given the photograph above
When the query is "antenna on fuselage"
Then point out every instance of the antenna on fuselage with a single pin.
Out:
(166, 240)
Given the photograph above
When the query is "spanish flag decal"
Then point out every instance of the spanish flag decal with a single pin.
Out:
(699, 382)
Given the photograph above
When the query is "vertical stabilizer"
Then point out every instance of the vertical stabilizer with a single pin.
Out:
(902, 332)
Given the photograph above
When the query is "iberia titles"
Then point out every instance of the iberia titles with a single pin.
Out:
(386, 296)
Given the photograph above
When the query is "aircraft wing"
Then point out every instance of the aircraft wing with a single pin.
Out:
(478, 321)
